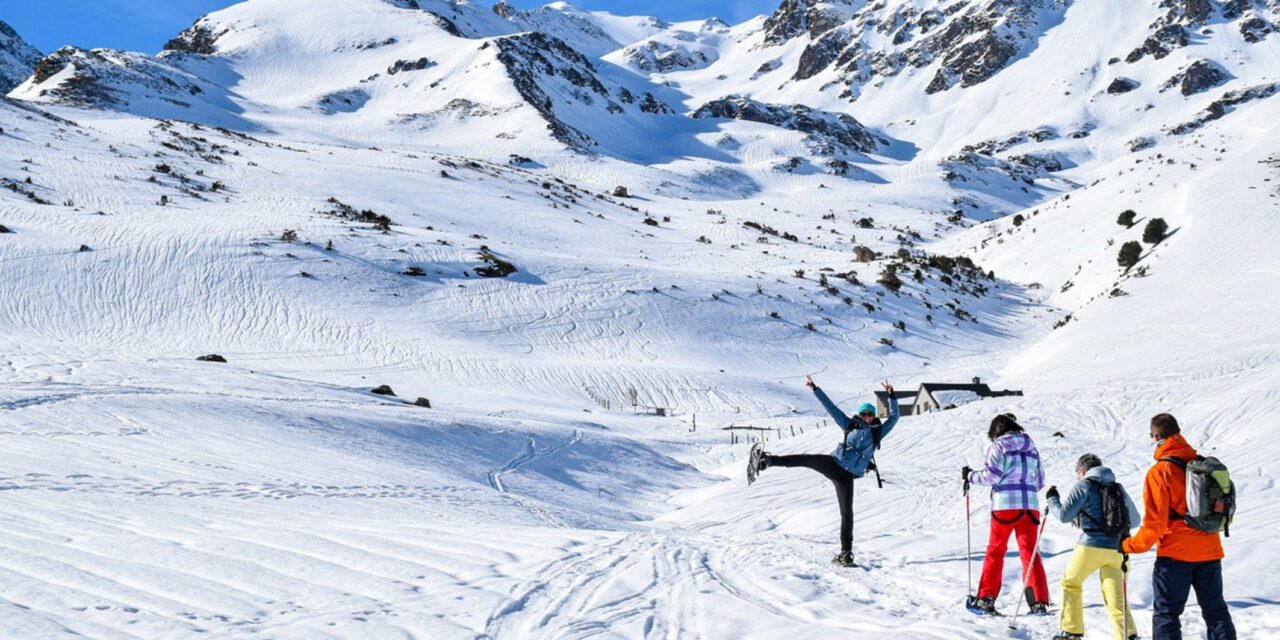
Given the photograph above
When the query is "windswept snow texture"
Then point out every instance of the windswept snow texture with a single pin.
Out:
(573, 302)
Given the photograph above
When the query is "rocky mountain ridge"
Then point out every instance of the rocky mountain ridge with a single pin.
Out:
(601, 84)
(17, 58)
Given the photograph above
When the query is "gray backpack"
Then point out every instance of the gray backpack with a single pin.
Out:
(1211, 495)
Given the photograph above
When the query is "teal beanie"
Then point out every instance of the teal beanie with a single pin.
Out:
(866, 406)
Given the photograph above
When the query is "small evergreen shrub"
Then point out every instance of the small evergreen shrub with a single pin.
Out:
(1155, 231)
(1130, 253)
(1126, 218)
(889, 279)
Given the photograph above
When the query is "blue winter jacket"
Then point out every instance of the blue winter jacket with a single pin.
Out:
(1085, 498)
(859, 444)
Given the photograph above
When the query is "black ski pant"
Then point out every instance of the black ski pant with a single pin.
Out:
(1172, 581)
(839, 476)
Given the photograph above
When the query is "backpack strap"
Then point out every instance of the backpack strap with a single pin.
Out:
(877, 432)
(1181, 464)
(1097, 486)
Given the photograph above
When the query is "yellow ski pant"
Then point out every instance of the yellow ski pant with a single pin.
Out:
(1084, 561)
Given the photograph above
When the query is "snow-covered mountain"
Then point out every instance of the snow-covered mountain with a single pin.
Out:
(17, 58)
(580, 248)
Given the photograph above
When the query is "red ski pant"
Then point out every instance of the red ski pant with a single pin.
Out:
(1025, 524)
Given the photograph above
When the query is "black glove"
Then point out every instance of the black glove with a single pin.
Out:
(965, 472)
(1052, 492)
(1120, 546)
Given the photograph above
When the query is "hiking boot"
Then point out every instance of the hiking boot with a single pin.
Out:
(1133, 636)
(1039, 608)
(765, 460)
(1070, 636)
(986, 606)
(844, 559)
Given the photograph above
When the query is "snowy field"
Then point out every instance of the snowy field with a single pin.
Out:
(147, 495)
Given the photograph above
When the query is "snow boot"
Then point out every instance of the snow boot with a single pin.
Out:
(985, 606)
(1039, 609)
(1068, 636)
(844, 559)
(765, 460)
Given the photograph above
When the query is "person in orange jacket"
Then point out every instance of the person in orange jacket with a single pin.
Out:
(1186, 557)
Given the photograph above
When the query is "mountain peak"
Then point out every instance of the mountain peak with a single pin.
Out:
(17, 58)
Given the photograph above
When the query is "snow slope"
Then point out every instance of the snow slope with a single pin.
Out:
(150, 495)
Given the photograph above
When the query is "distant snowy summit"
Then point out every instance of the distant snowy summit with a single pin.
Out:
(817, 83)
(17, 58)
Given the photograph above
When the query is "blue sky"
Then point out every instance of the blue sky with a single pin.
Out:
(145, 25)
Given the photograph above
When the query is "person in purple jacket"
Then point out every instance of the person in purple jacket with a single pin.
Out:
(1015, 476)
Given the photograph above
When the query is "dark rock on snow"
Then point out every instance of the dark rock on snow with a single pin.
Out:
(1122, 85)
(1201, 76)
(17, 58)
(1227, 103)
(829, 132)
(197, 38)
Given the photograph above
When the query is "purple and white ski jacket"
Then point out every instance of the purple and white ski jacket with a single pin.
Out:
(1013, 471)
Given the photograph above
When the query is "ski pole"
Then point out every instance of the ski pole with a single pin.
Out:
(1035, 552)
(968, 539)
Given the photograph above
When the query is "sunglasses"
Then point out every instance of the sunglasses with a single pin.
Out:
(867, 414)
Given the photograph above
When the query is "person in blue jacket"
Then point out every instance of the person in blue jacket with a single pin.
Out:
(1094, 551)
(849, 461)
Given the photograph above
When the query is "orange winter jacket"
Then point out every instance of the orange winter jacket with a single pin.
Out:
(1164, 493)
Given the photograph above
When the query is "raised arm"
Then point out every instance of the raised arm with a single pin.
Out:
(893, 411)
(836, 414)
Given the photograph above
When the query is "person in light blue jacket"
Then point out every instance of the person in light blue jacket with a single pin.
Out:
(850, 460)
(1095, 550)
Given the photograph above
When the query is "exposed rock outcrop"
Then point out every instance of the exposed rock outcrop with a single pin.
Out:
(544, 69)
(796, 17)
(197, 38)
(829, 133)
(17, 58)
(108, 78)
(1122, 85)
(1226, 104)
(1199, 76)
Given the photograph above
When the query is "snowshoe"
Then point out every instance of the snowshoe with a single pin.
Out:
(844, 559)
(1067, 636)
(1038, 609)
(971, 603)
(757, 461)
(982, 606)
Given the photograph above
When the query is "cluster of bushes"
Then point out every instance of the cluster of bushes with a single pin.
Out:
(348, 212)
(1153, 233)
(764, 228)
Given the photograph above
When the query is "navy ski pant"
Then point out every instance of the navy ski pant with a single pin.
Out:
(839, 476)
(1172, 582)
